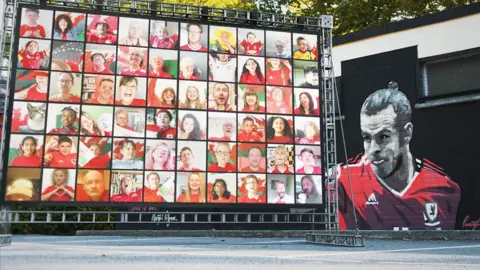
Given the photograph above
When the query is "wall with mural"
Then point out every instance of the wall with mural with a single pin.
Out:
(414, 169)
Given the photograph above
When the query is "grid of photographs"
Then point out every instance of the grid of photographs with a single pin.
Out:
(119, 109)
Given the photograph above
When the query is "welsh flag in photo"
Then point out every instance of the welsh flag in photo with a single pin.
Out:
(171, 67)
(24, 79)
(259, 89)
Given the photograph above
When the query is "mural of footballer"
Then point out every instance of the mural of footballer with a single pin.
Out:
(391, 187)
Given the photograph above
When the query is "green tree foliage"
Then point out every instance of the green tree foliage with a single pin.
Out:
(354, 15)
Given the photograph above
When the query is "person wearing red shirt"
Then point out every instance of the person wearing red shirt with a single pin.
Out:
(254, 161)
(69, 116)
(223, 157)
(103, 92)
(157, 71)
(279, 72)
(151, 190)
(251, 73)
(98, 67)
(279, 101)
(101, 34)
(29, 158)
(128, 193)
(127, 92)
(188, 70)
(306, 106)
(187, 160)
(252, 46)
(279, 130)
(312, 133)
(195, 32)
(32, 29)
(390, 188)
(59, 191)
(92, 187)
(228, 132)
(194, 189)
(162, 129)
(247, 134)
(136, 57)
(281, 156)
(65, 83)
(251, 196)
(30, 57)
(99, 161)
(220, 193)
(221, 95)
(61, 157)
(308, 159)
(37, 91)
(251, 101)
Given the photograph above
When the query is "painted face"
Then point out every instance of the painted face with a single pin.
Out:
(65, 83)
(308, 159)
(304, 101)
(251, 66)
(29, 146)
(302, 45)
(251, 100)
(158, 61)
(254, 157)
(42, 82)
(251, 185)
(278, 125)
(153, 181)
(106, 90)
(122, 119)
(127, 185)
(194, 34)
(32, 17)
(62, 24)
(194, 182)
(59, 177)
(223, 155)
(128, 92)
(188, 125)
(68, 117)
(277, 95)
(307, 186)
(87, 123)
(168, 96)
(248, 126)
(220, 93)
(381, 141)
(219, 188)
(161, 154)
(192, 93)
(163, 120)
(64, 148)
(94, 185)
(95, 150)
(186, 157)
(128, 152)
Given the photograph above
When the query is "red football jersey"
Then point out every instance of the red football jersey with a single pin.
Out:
(24, 161)
(24, 28)
(249, 78)
(252, 48)
(31, 60)
(59, 196)
(187, 47)
(245, 199)
(429, 201)
(58, 160)
(34, 94)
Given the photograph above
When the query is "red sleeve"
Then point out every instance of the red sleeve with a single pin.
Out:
(49, 189)
(22, 30)
(181, 198)
(70, 189)
(244, 43)
(42, 31)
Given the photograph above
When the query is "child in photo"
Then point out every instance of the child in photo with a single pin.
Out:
(36, 91)
(222, 68)
(30, 57)
(281, 52)
(58, 153)
(279, 130)
(64, 28)
(192, 99)
(32, 29)
(303, 53)
(252, 46)
(98, 160)
(29, 155)
(279, 72)
(280, 155)
(59, 191)
(251, 73)
(128, 150)
(162, 39)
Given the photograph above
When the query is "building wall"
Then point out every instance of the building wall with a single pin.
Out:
(446, 191)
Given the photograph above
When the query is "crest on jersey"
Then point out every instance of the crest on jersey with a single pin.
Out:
(430, 214)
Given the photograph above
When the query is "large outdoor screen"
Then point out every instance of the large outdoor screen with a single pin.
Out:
(112, 109)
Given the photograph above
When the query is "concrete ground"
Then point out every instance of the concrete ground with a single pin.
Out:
(122, 253)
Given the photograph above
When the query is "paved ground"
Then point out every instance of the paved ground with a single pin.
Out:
(122, 253)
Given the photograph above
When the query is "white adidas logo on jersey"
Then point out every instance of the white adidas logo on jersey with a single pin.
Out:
(372, 200)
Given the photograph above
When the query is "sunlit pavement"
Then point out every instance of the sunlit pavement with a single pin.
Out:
(117, 252)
